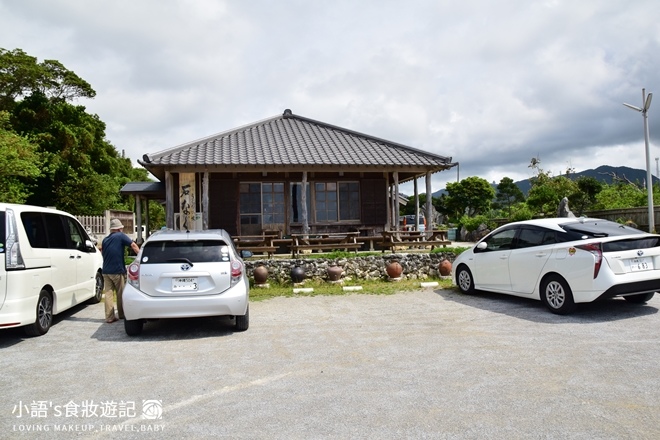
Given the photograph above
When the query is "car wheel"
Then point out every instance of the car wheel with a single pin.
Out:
(243, 321)
(464, 279)
(44, 315)
(133, 327)
(642, 298)
(557, 296)
(98, 289)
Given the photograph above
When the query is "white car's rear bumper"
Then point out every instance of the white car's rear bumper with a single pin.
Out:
(138, 305)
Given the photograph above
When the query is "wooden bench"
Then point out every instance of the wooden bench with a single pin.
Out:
(256, 243)
(413, 239)
(326, 241)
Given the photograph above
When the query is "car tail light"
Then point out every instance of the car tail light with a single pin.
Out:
(13, 255)
(134, 275)
(595, 249)
(236, 272)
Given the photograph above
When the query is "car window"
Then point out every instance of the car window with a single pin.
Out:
(500, 240)
(530, 237)
(195, 251)
(75, 235)
(56, 233)
(627, 245)
(34, 226)
(597, 228)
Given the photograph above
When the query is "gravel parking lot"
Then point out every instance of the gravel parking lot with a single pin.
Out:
(423, 364)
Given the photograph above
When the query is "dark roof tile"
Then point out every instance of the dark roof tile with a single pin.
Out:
(294, 140)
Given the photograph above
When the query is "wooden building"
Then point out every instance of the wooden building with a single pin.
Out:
(289, 174)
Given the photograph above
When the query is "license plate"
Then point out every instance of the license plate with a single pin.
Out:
(639, 264)
(179, 284)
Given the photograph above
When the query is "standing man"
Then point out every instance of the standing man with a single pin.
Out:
(114, 269)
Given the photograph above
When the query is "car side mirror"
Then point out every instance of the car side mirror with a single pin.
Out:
(482, 246)
(89, 246)
(246, 254)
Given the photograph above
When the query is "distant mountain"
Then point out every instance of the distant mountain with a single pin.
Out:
(603, 174)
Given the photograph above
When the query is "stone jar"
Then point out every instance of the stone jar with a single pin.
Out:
(260, 274)
(394, 269)
(297, 274)
(445, 268)
(334, 272)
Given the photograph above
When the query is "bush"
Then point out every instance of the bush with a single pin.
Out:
(472, 223)
(521, 212)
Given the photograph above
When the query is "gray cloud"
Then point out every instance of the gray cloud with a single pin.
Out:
(491, 84)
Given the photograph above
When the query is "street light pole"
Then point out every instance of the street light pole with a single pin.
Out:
(646, 102)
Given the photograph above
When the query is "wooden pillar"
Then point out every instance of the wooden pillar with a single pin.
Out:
(138, 213)
(205, 200)
(388, 220)
(429, 203)
(169, 200)
(416, 228)
(395, 176)
(303, 202)
(187, 201)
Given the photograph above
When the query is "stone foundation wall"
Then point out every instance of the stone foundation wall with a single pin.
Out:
(415, 266)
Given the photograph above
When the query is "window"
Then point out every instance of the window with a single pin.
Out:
(273, 203)
(530, 237)
(250, 203)
(501, 240)
(199, 251)
(325, 198)
(75, 236)
(261, 204)
(333, 201)
(349, 201)
(45, 230)
(35, 229)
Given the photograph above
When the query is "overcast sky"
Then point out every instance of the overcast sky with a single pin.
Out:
(491, 84)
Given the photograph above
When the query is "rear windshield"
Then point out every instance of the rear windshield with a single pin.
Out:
(597, 228)
(194, 251)
(628, 244)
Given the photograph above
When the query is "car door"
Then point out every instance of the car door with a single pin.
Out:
(533, 247)
(63, 263)
(492, 263)
(83, 260)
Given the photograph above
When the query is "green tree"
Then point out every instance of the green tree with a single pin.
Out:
(546, 194)
(82, 171)
(470, 196)
(508, 194)
(585, 196)
(620, 195)
(19, 163)
(547, 191)
(21, 76)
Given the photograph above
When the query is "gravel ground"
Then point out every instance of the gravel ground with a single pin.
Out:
(424, 364)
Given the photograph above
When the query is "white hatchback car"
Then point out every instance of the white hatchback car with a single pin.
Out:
(563, 261)
(180, 274)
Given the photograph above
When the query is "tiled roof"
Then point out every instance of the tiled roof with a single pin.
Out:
(151, 188)
(291, 140)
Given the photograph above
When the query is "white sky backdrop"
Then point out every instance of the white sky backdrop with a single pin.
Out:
(490, 84)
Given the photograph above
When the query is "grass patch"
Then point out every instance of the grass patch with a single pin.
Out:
(369, 287)
(455, 250)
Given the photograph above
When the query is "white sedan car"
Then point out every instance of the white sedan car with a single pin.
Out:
(181, 274)
(562, 262)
